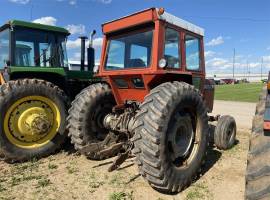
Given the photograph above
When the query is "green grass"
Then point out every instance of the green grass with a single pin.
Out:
(121, 196)
(246, 92)
(199, 191)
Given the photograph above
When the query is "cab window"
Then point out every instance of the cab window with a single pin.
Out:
(192, 45)
(24, 53)
(4, 47)
(130, 51)
(139, 52)
(171, 51)
(39, 48)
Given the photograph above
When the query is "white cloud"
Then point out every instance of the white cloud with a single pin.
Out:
(254, 64)
(217, 63)
(46, 20)
(266, 59)
(76, 29)
(72, 2)
(75, 44)
(20, 1)
(105, 1)
(225, 65)
(209, 54)
(97, 43)
(216, 41)
(76, 56)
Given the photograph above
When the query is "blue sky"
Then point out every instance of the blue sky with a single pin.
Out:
(240, 24)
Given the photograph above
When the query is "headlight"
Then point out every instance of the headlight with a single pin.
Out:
(162, 63)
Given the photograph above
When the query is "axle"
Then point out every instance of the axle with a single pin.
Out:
(122, 123)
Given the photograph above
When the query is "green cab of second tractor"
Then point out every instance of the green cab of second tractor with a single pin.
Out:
(36, 87)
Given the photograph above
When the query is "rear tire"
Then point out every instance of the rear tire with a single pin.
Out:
(156, 129)
(85, 121)
(17, 98)
(225, 132)
(258, 163)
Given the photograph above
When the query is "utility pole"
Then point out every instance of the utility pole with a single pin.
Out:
(233, 61)
(31, 11)
(247, 71)
(262, 68)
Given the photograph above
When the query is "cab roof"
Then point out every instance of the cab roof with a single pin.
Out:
(146, 16)
(31, 25)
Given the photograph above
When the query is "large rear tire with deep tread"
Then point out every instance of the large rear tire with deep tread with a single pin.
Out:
(85, 117)
(258, 163)
(156, 121)
(18, 98)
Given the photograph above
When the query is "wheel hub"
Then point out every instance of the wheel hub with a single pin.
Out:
(32, 121)
(40, 124)
(181, 137)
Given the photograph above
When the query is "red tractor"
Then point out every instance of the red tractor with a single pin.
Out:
(153, 100)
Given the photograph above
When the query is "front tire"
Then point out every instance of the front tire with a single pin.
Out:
(33, 119)
(225, 133)
(171, 136)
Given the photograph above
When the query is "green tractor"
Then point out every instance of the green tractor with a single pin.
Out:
(36, 88)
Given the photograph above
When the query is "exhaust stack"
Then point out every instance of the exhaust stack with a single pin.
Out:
(83, 39)
(91, 52)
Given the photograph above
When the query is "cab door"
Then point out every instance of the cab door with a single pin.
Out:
(194, 63)
(4, 54)
(194, 60)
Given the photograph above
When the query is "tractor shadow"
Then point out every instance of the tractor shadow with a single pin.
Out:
(211, 159)
(213, 155)
(68, 147)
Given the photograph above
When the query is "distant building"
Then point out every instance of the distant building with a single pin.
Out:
(249, 77)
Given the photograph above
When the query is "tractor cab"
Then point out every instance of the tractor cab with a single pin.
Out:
(24, 44)
(147, 48)
(35, 49)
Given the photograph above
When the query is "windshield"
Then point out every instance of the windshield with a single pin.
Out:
(4, 47)
(40, 48)
(131, 51)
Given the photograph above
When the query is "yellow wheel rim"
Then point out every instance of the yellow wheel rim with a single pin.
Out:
(32, 122)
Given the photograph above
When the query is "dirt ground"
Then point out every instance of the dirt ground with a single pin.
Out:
(68, 176)
(242, 112)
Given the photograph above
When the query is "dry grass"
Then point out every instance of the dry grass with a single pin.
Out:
(65, 176)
